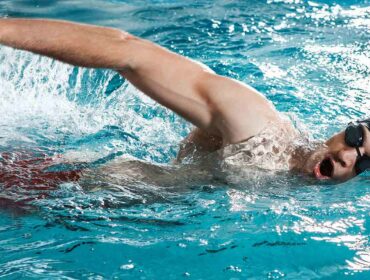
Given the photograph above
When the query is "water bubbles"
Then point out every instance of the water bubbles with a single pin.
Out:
(128, 266)
(234, 268)
(215, 23)
(275, 274)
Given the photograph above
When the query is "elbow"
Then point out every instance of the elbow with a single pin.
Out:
(136, 52)
(122, 49)
(121, 36)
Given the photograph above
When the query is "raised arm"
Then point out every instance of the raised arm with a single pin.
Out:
(216, 104)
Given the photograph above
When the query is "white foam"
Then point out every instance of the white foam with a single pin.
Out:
(36, 93)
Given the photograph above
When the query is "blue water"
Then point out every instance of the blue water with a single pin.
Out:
(311, 58)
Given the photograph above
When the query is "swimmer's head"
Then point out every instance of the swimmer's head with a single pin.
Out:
(344, 155)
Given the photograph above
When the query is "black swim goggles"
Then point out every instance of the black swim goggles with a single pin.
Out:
(354, 137)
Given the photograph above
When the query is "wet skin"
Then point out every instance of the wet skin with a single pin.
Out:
(342, 157)
(225, 111)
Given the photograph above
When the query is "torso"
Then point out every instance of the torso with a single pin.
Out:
(207, 159)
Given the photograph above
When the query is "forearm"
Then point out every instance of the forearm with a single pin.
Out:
(77, 44)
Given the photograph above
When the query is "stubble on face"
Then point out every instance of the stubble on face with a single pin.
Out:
(306, 157)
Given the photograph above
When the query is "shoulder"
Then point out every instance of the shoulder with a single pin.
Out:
(267, 121)
(238, 110)
(273, 127)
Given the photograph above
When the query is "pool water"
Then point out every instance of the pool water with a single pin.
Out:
(310, 58)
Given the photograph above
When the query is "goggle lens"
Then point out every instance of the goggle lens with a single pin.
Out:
(354, 135)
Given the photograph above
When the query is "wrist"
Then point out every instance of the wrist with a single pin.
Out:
(6, 28)
(2, 29)
(2, 23)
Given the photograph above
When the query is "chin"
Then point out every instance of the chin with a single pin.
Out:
(320, 165)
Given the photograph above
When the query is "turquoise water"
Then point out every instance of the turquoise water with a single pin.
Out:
(311, 58)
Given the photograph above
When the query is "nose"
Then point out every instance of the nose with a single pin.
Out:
(347, 157)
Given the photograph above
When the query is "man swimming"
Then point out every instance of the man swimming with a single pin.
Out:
(233, 121)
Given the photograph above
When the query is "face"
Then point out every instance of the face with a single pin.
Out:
(336, 160)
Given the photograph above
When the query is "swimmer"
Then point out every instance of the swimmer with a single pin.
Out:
(232, 120)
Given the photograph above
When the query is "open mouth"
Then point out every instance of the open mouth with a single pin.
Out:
(324, 169)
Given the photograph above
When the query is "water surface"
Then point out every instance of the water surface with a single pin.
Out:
(310, 58)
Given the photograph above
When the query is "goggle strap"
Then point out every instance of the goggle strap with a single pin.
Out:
(358, 152)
